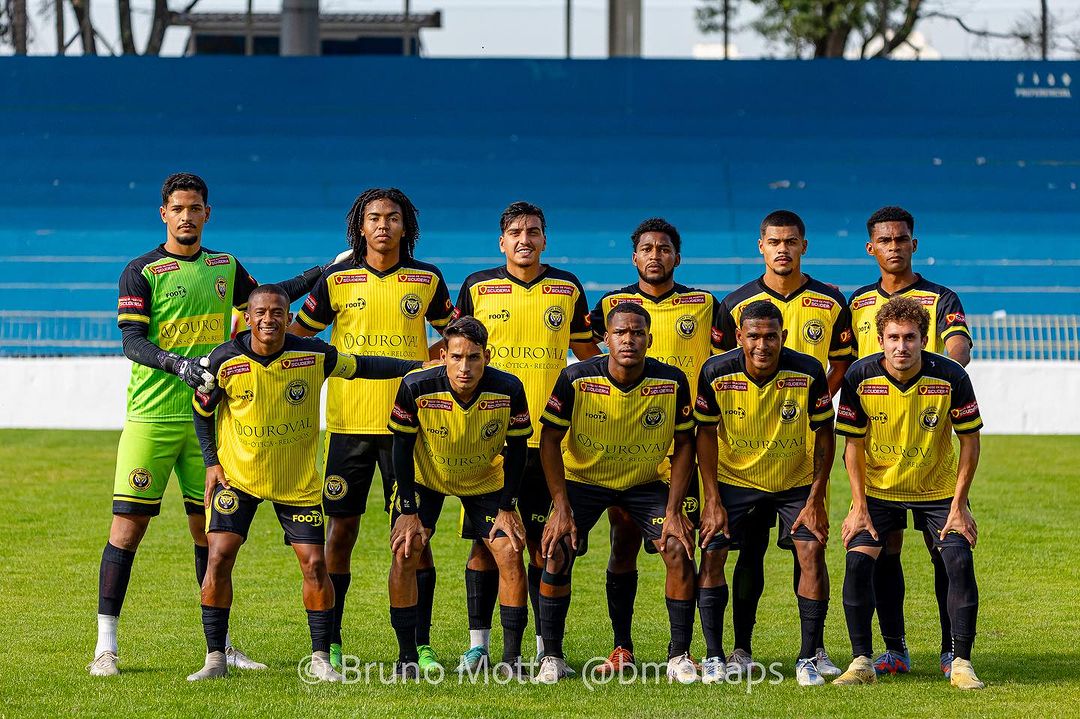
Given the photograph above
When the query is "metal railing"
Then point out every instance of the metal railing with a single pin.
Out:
(1025, 337)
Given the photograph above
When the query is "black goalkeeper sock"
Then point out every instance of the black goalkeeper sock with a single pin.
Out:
(425, 602)
(113, 577)
(341, 584)
(963, 598)
(514, 620)
(859, 603)
(403, 621)
(621, 593)
(202, 561)
(681, 618)
(941, 592)
(481, 592)
(553, 612)
(215, 621)
(889, 589)
(712, 601)
(747, 586)
(320, 624)
(812, 614)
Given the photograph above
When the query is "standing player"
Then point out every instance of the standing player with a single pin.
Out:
(907, 463)
(259, 431)
(764, 401)
(892, 243)
(461, 429)
(532, 312)
(685, 334)
(174, 307)
(818, 324)
(625, 411)
(378, 301)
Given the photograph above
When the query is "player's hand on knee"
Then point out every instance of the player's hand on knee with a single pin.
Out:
(405, 533)
(857, 520)
(962, 522)
(814, 517)
(559, 524)
(196, 373)
(215, 475)
(713, 522)
(509, 523)
(677, 527)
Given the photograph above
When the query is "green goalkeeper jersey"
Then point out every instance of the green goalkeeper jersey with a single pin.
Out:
(183, 304)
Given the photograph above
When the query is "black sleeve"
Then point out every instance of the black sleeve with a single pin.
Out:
(405, 472)
(851, 419)
(581, 322)
(517, 450)
(560, 406)
(138, 348)
(207, 434)
(726, 326)
(716, 332)
(464, 300)
(441, 308)
(297, 287)
(596, 319)
(243, 284)
(375, 367)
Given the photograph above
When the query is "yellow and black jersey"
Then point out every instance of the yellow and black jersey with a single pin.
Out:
(530, 325)
(816, 318)
(908, 427)
(460, 445)
(267, 410)
(619, 436)
(946, 314)
(684, 325)
(765, 428)
(374, 313)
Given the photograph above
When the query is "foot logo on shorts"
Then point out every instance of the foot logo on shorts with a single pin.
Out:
(690, 505)
(140, 479)
(296, 391)
(226, 501)
(335, 487)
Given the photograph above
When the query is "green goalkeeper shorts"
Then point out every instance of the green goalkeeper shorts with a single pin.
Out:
(148, 453)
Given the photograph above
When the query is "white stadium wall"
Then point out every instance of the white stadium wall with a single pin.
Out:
(89, 393)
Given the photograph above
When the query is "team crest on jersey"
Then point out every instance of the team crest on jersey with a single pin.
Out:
(567, 290)
(491, 429)
(813, 331)
(226, 501)
(929, 419)
(140, 479)
(411, 306)
(335, 487)
(554, 318)
(221, 286)
(653, 418)
(789, 411)
(686, 326)
(296, 392)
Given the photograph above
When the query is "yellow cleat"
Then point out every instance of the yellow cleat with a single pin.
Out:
(963, 675)
(860, 671)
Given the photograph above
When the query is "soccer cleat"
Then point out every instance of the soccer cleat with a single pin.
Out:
(714, 670)
(552, 669)
(429, 660)
(320, 668)
(740, 663)
(104, 665)
(617, 662)
(406, 671)
(807, 674)
(514, 670)
(335, 657)
(824, 664)
(682, 669)
(216, 667)
(473, 661)
(946, 664)
(860, 671)
(236, 659)
(963, 675)
(893, 662)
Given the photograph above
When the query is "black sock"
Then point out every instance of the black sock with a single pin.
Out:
(811, 619)
(747, 586)
(320, 623)
(859, 603)
(514, 620)
(403, 621)
(534, 574)
(553, 612)
(621, 593)
(215, 622)
(341, 584)
(481, 591)
(889, 589)
(113, 578)
(681, 618)
(425, 602)
(941, 591)
(963, 598)
(202, 560)
(712, 601)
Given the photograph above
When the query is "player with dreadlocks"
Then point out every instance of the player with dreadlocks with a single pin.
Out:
(377, 301)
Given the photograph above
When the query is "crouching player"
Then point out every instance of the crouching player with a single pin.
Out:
(450, 425)
(262, 447)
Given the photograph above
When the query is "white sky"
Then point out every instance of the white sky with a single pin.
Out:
(535, 28)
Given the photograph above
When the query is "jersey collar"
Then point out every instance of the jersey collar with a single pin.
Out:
(635, 289)
(767, 380)
(364, 265)
(776, 295)
(243, 343)
(181, 258)
(503, 274)
(903, 387)
(918, 281)
(624, 388)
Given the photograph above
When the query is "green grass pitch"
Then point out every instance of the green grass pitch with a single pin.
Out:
(57, 494)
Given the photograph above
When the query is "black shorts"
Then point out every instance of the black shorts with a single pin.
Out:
(888, 515)
(350, 466)
(232, 511)
(481, 509)
(645, 503)
(745, 509)
(534, 504)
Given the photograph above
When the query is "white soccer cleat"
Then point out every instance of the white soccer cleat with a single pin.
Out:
(552, 669)
(321, 669)
(681, 669)
(236, 659)
(104, 665)
(216, 667)
(807, 675)
(714, 670)
(824, 664)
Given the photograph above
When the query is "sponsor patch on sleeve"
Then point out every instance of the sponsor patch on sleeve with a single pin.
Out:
(823, 402)
(845, 412)
(702, 403)
(967, 410)
(310, 303)
(132, 302)
(400, 415)
(522, 419)
(554, 403)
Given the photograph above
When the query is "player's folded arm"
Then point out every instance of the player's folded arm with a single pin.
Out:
(517, 452)
(404, 468)
(206, 432)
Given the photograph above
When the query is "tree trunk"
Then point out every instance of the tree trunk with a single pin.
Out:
(86, 28)
(18, 26)
(158, 26)
(902, 33)
(833, 44)
(127, 40)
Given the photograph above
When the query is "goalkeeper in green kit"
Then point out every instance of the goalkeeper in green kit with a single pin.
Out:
(175, 306)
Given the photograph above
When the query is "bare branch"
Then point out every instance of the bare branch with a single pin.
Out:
(975, 31)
